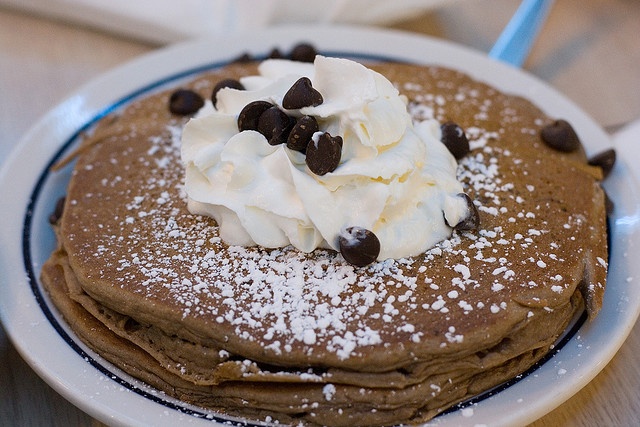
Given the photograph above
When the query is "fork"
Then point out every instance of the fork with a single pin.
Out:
(517, 38)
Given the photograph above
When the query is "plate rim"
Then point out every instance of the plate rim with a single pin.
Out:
(192, 53)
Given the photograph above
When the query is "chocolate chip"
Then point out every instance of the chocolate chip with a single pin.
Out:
(300, 95)
(232, 83)
(560, 136)
(57, 211)
(275, 54)
(472, 220)
(609, 206)
(250, 114)
(324, 155)
(302, 132)
(243, 58)
(303, 52)
(275, 125)
(359, 246)
(454, 138)
(184, 102)
(605, 161)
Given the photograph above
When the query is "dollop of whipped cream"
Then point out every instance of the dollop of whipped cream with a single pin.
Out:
(395, 177)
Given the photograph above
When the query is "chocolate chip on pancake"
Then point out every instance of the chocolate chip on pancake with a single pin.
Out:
(472, 220)
(231, 83)
(605, 161)
(275, 54)
(302, 132)
(561, 136)
(303, 52)
(300, 95)
(275, 125)
(250, 115)
(184, 102)
(243, 58)
(359, 246)
(609, 204)
(455, 139)
(323, 155)
(57, 212)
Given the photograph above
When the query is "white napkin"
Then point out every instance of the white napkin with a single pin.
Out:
(166, 21)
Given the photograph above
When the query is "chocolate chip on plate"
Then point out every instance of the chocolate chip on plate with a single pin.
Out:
(323, 154)
(301, 94)
(472, 220)
(454, 138)
(303, 52)
(359, 246)
(232, 83)
(250, 114)
(275, 125)
(560, 136)
(605, 160)
(302, 132)
(184, 102)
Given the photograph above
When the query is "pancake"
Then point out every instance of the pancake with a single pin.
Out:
(279, 334)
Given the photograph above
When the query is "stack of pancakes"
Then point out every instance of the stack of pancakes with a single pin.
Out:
(275, 334)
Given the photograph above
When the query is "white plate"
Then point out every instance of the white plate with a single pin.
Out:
(28, 192)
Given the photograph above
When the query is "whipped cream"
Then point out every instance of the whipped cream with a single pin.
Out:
(395, 177)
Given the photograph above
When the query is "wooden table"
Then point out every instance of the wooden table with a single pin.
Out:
(588, 50)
